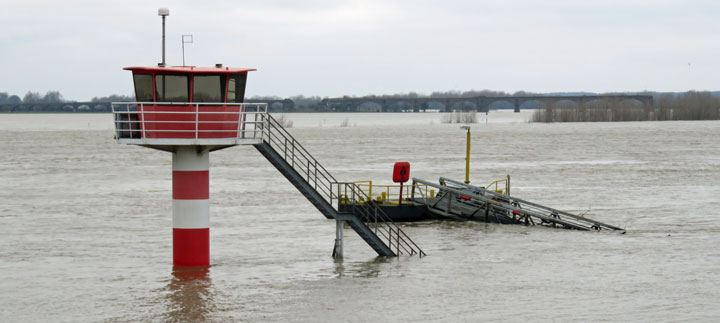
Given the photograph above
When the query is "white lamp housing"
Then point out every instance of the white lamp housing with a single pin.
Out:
(163, 12)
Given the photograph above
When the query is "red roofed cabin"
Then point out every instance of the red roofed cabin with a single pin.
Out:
(186, 102)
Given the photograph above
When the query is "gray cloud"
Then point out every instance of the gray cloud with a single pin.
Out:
(359, 47)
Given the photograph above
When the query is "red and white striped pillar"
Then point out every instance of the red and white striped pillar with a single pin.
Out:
(191, 206)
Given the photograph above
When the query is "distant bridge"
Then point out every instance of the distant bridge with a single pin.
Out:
(277, 105)
(483, 103)
(56, 107)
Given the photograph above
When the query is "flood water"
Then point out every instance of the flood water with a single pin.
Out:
(85, 226)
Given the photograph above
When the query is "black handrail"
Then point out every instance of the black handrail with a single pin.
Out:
(380, 215)
(305, 164)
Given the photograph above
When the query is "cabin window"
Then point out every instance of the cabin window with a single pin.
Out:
(171, 88)
(208, 88)
(143, 87)
(236, 88)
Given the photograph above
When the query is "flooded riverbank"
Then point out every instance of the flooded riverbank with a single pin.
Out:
(87, 226)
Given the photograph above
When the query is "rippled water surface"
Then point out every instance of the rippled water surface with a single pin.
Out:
(85, 226)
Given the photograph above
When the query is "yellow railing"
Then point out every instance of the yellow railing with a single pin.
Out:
(496, 186)
(390, 193)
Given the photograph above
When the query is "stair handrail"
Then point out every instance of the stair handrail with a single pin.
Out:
(299, 162)
(379, 218)
(386, 230)
(275, 134)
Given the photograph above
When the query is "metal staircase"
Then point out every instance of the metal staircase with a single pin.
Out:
(462, 201)
(322, 190)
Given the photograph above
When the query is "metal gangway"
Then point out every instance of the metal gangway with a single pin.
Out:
(461, 201)
(326, 193)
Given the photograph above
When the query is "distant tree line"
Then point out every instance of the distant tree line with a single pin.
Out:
(9, 99)
(32, 97)
(55, 97)
(691, 105)
(53, 102)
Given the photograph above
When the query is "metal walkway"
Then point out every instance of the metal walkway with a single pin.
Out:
(327, 194)
(461, 201)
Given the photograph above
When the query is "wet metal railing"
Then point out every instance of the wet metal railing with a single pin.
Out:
(352, 196)
(460, 192)
(274, 134)
(495, 186)
(335, 193)
(173, 120)
(385, 193)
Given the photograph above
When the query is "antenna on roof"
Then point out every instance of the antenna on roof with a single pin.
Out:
(163, 12)
(186, 39)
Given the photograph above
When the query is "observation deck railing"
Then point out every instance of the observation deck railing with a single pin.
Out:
(188, 123)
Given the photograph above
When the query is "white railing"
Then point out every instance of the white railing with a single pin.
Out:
(157, 120)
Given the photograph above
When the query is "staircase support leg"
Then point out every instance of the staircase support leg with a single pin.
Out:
(338, 249)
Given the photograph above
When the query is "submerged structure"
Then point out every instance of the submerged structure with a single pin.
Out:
(459, 201)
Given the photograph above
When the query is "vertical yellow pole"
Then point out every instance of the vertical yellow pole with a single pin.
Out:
(467, 158)
(507, 185)
(370, 191)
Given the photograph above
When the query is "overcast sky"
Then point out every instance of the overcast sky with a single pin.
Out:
(335, 48)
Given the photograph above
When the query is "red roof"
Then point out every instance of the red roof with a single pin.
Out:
(190, 69)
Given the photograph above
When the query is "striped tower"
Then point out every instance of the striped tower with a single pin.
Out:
(191, 207)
